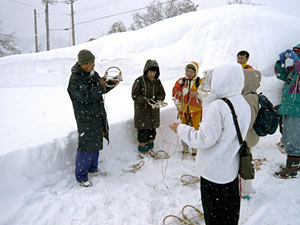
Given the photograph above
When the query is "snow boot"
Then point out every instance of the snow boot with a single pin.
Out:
(143, 150)
(291, 169)
(86, 183)
(185, 151)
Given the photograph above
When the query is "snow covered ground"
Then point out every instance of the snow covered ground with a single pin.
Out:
(39, 139)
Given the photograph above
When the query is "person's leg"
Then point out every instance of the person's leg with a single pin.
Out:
(94, 163)
(292, 147)
(209, 198)
(246, 188)
(195, 122)
(142, 139)
(82, 165)
(151, 134)
(221, 202)
(232, 202)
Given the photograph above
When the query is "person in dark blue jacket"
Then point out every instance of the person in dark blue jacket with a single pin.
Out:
(86, 88)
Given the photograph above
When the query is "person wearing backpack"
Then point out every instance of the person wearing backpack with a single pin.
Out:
(290, 110)
(252, 81)
(185, 92)
(218, 144)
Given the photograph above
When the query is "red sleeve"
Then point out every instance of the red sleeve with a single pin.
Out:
(177, 87)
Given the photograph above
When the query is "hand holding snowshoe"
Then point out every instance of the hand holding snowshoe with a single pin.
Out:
(282, 57)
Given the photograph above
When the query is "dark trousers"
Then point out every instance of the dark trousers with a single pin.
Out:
(221, 202)
(146, 135)
(85, 162)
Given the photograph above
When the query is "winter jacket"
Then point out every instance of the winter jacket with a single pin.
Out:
(88, 105)
(247, 67)
(252, 81)
(216, 138)
(145, 117)
(290, 100)
(183, 87)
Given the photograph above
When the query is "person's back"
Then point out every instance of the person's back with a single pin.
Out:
(219, 146)
(252, 81)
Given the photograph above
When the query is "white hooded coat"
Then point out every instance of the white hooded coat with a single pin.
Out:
(216, 138)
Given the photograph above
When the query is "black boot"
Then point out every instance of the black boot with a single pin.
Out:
(291, 169)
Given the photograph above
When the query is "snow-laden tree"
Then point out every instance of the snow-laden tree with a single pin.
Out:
(117, 27)
(157, 11)
(8, 45)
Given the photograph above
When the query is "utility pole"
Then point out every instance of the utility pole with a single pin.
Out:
(35, 32)
(71, 2)
(47, 24)
(73, 27)
(46, 3)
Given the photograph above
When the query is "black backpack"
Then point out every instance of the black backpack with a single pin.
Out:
(267, 119)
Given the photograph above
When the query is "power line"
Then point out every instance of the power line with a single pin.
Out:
(117, 14)
(104, 17)
(40, 8)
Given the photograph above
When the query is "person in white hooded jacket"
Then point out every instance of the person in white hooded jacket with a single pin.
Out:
(218, 144)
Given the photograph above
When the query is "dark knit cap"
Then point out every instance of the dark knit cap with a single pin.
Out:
(85, 56)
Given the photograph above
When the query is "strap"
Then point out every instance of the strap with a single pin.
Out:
(238, 131)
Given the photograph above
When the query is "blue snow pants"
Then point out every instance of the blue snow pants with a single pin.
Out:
(85, 162)
(291, 131)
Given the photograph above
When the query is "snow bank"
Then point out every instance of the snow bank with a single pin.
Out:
(211, 37)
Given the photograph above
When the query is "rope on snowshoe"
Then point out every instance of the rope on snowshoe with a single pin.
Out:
(182, 222)
(157, 104)
(157, 155)
(113, 80)
(190, 180)
(193, 207)
(134, 167)
(185, 220)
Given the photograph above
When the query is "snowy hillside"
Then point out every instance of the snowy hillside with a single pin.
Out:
(38, 129)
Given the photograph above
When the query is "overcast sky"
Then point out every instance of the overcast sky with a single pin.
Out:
(17, 16)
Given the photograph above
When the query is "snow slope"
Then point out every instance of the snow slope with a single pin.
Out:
(38, 130)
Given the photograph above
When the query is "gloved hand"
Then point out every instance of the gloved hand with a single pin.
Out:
(152, 101)
(282, 57)
(292, 55)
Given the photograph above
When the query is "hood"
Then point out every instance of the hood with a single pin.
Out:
(76, 68)
(152, 64)
(193, 65)
(252, 81)
(227, 80)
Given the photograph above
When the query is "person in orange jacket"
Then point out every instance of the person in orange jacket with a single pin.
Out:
(187, 100)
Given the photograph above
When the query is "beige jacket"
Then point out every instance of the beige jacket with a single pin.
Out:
(252, 81)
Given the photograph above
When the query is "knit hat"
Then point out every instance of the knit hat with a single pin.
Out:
(297, 47)
(85, 56)
(193, 65)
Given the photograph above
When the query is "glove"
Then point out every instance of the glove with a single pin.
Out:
(292, 55)
(282, 57)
